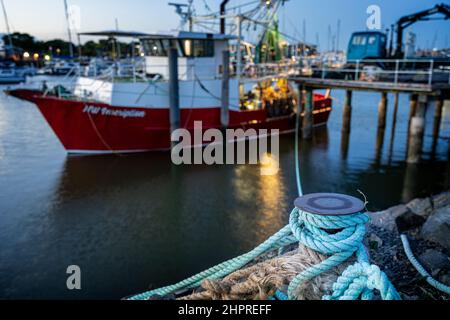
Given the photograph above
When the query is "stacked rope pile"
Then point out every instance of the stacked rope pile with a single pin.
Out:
(327, 246)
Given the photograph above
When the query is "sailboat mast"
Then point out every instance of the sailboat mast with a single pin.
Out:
(8, 30)
(68, 28)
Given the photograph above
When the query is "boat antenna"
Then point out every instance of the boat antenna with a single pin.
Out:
(8, 30)
(338, 34)
(66, 7)
(186, 16)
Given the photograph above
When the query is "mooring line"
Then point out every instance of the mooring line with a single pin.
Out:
(424, 273)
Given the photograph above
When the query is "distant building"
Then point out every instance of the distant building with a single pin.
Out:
(410, 47)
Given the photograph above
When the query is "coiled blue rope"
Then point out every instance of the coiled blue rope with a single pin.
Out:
(310, 230)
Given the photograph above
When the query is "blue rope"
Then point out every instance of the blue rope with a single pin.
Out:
(424, 273)
(297, 149)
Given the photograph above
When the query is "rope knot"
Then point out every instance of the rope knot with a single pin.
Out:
(360, 280)
(374, 276)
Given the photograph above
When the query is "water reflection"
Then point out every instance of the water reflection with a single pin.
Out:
(135, 220)
(410, 182)
(379, 146)
(345, 141)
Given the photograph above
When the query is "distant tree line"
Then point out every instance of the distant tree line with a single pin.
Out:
(58, 47)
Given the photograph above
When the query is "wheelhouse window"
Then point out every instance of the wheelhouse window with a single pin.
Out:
(359, 40)
(154, 48)
(158, 47)
(195, 48)
(191, 48)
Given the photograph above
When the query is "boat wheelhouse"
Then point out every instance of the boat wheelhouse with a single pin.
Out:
(199, 70)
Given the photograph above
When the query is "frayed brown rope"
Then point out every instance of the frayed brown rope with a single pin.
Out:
(261, 281)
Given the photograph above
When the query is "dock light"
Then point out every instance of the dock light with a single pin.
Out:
(36, 56)
(26, 55)
(47, 57)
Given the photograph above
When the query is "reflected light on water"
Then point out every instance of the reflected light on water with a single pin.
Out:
(265, 196)
(270, 164)
(271, 188)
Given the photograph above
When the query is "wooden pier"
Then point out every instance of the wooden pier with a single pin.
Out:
(421, 95)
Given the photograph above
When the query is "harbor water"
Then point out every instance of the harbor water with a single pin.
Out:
(132, 222)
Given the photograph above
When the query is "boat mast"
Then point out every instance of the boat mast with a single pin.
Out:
(68, 28)
(117, 41)
(8, 30)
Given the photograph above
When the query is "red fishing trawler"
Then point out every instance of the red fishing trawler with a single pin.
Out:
(130, 113)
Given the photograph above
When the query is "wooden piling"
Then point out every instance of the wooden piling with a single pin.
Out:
(174, 90)
(300, 101)
(225, 115)
(394, 119)
(394, 125)
(413, 102)
(308, 115)
(382, 111)
(347, 116)
(416, 131)
(437, 118)
(346, 124)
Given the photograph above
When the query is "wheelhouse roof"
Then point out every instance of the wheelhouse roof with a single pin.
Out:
(115, 33)
(187, 35)
(169, 35)
(369, 32)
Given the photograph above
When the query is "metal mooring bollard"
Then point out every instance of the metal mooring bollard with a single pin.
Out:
(330, 204)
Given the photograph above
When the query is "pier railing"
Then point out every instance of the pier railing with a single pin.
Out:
(395, 71)
(380, 70)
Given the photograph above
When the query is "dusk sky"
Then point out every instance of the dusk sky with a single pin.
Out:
(45, 19)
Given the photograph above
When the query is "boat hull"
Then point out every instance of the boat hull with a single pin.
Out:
(96, 128)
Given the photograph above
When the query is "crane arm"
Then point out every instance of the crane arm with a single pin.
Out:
(409, 20)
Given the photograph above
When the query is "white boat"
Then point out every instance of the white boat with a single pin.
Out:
(10, 75)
